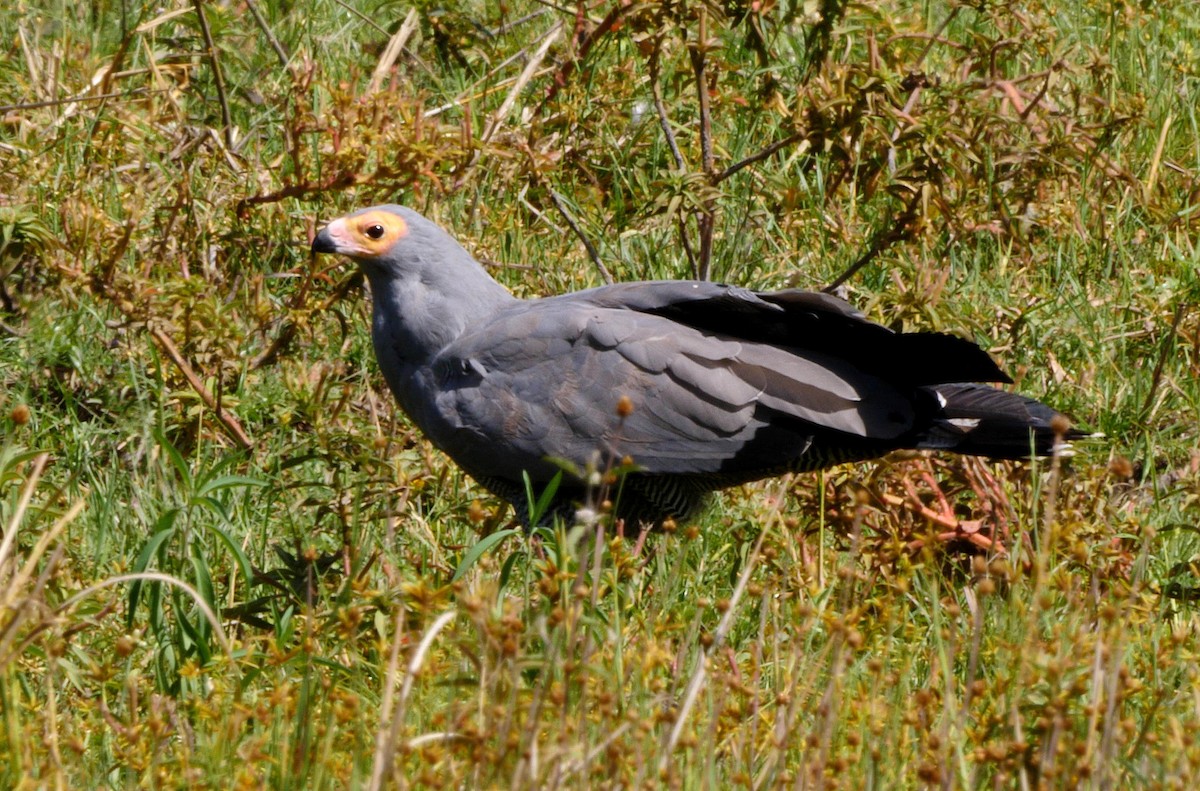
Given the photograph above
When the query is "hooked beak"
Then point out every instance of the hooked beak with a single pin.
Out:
(323, 242)
(333, 238)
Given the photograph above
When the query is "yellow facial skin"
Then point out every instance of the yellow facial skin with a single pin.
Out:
(366, 235)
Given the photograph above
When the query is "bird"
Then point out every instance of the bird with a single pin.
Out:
(688, 387)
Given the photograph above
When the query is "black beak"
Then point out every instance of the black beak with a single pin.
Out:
(323, 242)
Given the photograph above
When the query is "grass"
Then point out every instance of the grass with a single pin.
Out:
(226, 560)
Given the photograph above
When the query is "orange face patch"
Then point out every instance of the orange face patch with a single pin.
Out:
(367, 235)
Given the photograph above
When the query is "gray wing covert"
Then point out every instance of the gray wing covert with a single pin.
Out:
(545, 381)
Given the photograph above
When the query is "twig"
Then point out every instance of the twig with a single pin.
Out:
(508, 27)
(395, 46)
(382, 763)
(280, 52)
(501, 115)
(228, 420)
(883, 240)
(1160, 363)
(585, 46)
(384, 758)
(664, 123)
(218, 78)
(705, 220)
(155, 576)
(1152, 178)
(916, 89)
(698, 54)
(759, 157)
(363, 17)
(99, 97)
(933, 39)
(10, 532)
(591, 248)
(660, 107)
(1042, 92)
(289, 328)
(340, 181)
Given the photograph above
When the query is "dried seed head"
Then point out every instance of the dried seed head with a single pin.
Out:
(124, 646)
(624, 406)
(20, 414)
(1120, 468)
(1060, 425)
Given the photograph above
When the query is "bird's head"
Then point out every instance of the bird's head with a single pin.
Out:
(414, 266)
(395, 244)
(380, 233)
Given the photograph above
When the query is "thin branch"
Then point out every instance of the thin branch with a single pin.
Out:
(363, 17)
(1163, 352)
(705, 220)
(915, 92)
(10, 534)
(687, 245)
(585, 46)
(136, 93)
(699, 57)
(155, 576)
(501, 115)
(227, 419)
(882, 241)
(508, 27)
(272, 352)
(218, 78)
(936, 36)
(660, 107)
(759, 157)
(1039, 96)
(280, 52)
(395, 46)
(591, 248)
(696, 682)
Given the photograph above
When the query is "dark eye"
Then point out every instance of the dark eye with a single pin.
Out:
(375, 231)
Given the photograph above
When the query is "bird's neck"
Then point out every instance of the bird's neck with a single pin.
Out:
(415, 318)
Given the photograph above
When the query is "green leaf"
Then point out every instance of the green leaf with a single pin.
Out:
(506, 571)
(227, 482)
(213, 505)
(177, 461)
(537, 509)
(476, 552)
(235, 550)
(284, 627)
(204, 586)
(197, 636)
(165, 529)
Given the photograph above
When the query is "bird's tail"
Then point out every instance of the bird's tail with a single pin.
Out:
(979, 420)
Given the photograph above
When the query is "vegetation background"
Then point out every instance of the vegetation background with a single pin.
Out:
(226, 560)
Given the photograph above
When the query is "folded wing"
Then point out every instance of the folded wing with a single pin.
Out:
(544, 382)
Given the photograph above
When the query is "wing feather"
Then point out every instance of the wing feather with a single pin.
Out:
(544, 382)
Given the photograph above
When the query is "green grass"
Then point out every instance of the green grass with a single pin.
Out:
(183, 604)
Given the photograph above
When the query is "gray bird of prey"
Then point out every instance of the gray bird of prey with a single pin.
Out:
(701, 385)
